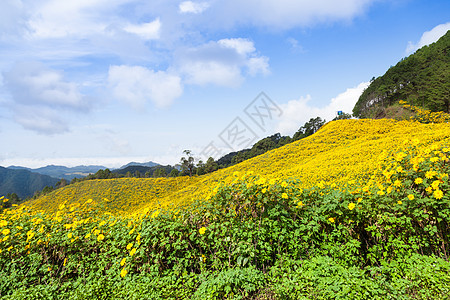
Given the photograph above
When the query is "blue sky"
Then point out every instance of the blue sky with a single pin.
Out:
(113, 81)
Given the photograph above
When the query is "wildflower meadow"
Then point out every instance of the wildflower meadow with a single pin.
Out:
(359, 210)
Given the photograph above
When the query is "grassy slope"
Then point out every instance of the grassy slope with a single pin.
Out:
(340, 151)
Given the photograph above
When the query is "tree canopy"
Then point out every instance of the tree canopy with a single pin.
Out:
(421, 79)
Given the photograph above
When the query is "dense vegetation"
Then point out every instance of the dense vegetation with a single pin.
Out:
(421, 79)
(358, 210)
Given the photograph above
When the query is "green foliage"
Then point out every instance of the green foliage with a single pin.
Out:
(308, 128)
(254, 239)
(236, 283)
(260, 147)
(422, 79)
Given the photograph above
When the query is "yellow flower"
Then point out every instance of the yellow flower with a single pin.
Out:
(331, 220)
(397, 183)
(411, 197)
(122, 262)
(359, 200)
(429, 190)
(418, 180)
(202, 230)
(435, 184)
(438, 194)
(430, 174)
(87, 236)
(351, 205)
(133, 251)
(6, 231)
(284, 196)
(155, 214)
(129, 246)
(123, 273)
(300, 203)
(89, 201)
(100, 237)
(399, 202)
(284, 184)
(69, 235)
(381, 193)
(3, 223)
(264, 190)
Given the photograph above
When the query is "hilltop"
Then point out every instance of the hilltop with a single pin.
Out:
(421, 79)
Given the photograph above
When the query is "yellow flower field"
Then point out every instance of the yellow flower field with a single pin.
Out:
(340, 152)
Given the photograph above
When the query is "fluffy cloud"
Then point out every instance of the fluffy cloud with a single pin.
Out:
(428, 37)
(147, 31)
(40, 95)
(222, 63)
(297, 112)
(192, 7)
(137, 85)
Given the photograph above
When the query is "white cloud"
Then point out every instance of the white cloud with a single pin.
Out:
(428, 37)
(137, 85)
(147, 31)
(222, 63)
(59, 19)
(286, 14)
(40, 96)
(242, 46)
(33, 84)
(258, 65)
(41, 119)
(298, 112)
(192, 7)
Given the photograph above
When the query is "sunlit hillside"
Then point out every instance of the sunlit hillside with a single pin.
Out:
(340, 151)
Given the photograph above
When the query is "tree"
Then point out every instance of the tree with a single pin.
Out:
(200, 168)
(174, 173)
(61, 183)
(211, 165)
(309, 128)
(187, 163)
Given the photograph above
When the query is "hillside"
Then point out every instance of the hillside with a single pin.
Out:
(358, 210)
(421, 79)
(23, 182)
(339, 152)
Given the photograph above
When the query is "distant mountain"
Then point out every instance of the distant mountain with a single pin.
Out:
(143, 170)
(62, 171)
(146, 164)
(23, 182)
(421, 79)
